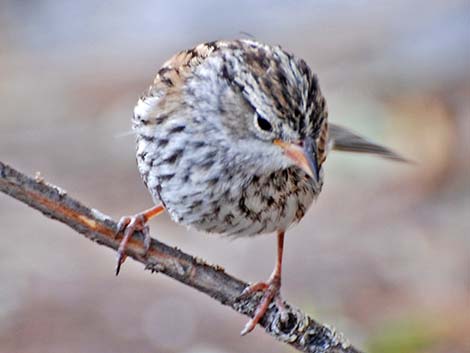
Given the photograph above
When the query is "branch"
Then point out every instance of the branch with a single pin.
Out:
(300, 331)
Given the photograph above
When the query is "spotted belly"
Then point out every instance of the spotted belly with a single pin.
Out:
(261, 205)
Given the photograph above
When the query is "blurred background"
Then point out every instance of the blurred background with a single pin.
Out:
(384, 255)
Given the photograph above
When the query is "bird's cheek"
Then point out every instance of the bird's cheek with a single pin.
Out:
(273, 160)
(285, 161)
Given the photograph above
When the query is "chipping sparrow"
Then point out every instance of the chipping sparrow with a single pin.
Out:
(231, 139)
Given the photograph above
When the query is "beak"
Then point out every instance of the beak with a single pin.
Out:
(304, 154)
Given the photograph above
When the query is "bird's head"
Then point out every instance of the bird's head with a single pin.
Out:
(269, 105)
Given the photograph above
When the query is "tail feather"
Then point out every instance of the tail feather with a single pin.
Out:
(342, 139)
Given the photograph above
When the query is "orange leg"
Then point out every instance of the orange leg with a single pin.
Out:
(271, 290)
(131, 224)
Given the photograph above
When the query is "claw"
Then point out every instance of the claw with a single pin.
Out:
(271, 291)
(128, 225)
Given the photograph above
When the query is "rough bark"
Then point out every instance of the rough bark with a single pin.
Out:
(300, 331)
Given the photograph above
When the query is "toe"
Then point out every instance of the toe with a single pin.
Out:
(261, 309)
(128, 226)
(122, 224)
(271, 291)
(147, 239)
(253, 288)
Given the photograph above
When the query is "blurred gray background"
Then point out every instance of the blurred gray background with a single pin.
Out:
(383, 255)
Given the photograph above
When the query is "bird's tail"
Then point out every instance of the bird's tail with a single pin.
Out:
(342, 139)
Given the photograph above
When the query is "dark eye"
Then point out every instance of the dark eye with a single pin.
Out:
(263, 124)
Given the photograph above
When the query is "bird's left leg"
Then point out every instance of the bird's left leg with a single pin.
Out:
(271, 289)
(131, 224)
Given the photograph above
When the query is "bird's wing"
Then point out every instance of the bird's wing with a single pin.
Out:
(163, 94)
(342, 139)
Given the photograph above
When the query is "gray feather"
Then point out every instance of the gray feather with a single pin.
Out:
(342, 139)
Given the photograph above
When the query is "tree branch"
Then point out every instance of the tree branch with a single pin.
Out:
(301, 331)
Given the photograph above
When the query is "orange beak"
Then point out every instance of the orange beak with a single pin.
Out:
(304, 155)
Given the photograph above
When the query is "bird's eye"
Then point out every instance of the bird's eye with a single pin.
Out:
(263, 124)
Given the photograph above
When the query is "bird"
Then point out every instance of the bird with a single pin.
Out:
(231, 139)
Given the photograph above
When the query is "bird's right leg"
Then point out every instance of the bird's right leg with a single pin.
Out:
(271, 290)
(128, 225)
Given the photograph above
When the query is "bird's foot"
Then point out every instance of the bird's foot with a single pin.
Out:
(271, 290)
(128, 225)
